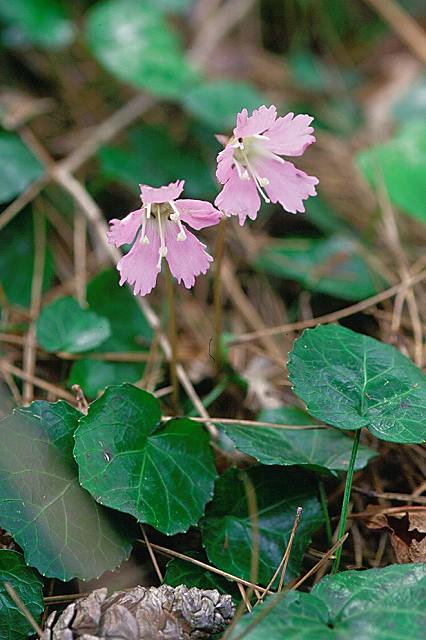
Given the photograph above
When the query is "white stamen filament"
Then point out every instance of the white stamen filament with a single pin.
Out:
(257, 179)
(148, 210)
(163, 249)
(143, 237)
(175, 217)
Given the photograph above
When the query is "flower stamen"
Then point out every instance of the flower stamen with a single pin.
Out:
(163, 249)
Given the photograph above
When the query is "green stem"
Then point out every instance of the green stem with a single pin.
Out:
(172, 337)
(324, 506)
(346, 497)
(217, 294)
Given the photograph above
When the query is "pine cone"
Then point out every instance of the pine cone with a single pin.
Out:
(148, 613)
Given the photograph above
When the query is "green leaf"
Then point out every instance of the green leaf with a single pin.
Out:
(133, 41)
(401, 164)
(20, 169)
(29, 588)
(227, 529)
(333, 265)
(377, 604)
(217, 102)
(352, 381)
(17, 261)
(163, 475)
(130, 331)
(94, 375)
(321, 450)
(166, 160)
(184, 572)
(64, 326)
(106, 298)
(61, 529)
(41, 22)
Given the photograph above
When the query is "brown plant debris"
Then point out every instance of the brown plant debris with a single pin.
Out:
(151, 613)
(407, 533)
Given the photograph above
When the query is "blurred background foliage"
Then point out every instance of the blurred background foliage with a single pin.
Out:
(66, 67)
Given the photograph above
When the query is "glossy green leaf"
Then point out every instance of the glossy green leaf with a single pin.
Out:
(130, 164)
(41, 22)
(321, 450)
(401, 165)
(61, 529)
(184, 572)
(163, 475)
(17, 261)
(227, 529)
(130, 331)
(29, 588)
(350, 381)
(21, 168)
(333, 265)
(134, 42)
(217, 102)
(377, 604)
(64, 326)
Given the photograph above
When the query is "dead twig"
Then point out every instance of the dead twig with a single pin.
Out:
(335, 315)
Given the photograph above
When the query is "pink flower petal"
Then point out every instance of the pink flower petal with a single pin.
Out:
(139, 266)
(158, 195)
(260, 120)
(239, 197)
(197, 213)
(225, 162)
(186, 258)
(290, 135)
(287, 185)
(123, 231)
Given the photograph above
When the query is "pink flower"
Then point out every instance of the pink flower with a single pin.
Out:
(158, 232)
(251, 163)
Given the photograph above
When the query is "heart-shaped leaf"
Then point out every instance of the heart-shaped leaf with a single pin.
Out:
(133, 334)
(401, 165)
(29, 588)
(333, 265)
(351, 381)
(163, 475)
(61, 529)
(64, 326)
(133, 41)
(385, 604)
(21, 168)
(227, 528)
(321, 450)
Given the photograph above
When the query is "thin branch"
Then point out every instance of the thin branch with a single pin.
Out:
(335, 315)
(405, 27)
(203, 565)
(36, 381)
(22, 608)
(253, 423)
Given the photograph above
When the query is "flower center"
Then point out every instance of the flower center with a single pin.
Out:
(245, 151)
(161, 214)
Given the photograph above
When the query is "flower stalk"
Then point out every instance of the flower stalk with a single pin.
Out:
(172, 331)
(217, 295)
(346, 497)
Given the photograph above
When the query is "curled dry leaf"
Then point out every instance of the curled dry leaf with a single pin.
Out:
(407, 533)
(151, 613)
